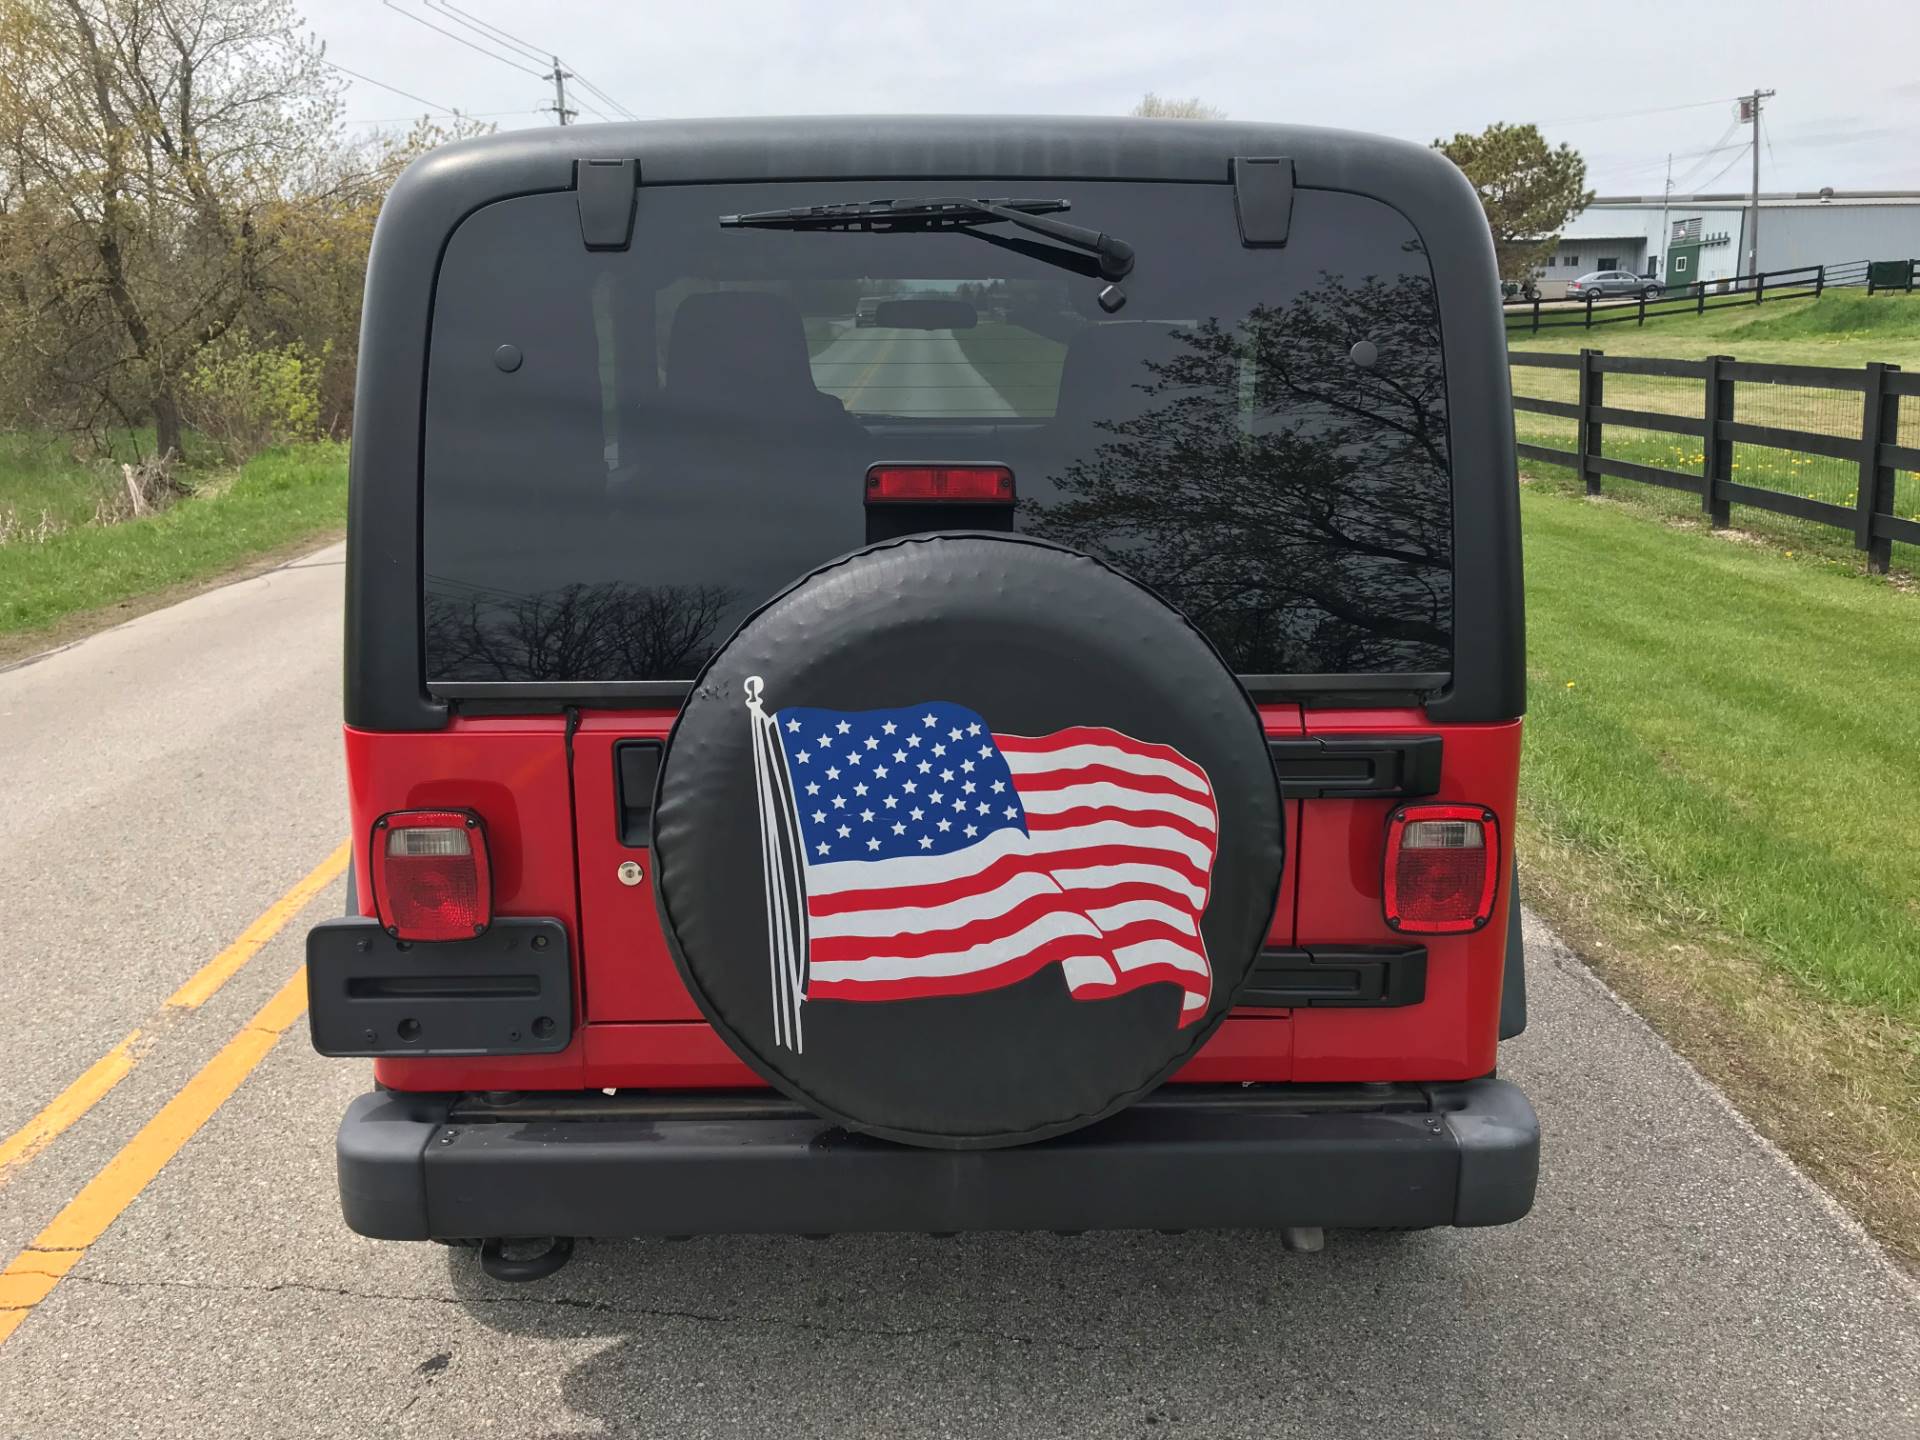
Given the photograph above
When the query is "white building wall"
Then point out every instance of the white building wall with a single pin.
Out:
(1801, 232)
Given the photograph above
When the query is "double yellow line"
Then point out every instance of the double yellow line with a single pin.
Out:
(61, 1245)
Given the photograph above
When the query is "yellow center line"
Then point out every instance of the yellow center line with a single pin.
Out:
(201, 985)
(93, 1084)
(36, 1270)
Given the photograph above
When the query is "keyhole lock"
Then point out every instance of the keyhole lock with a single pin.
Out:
(630, 872)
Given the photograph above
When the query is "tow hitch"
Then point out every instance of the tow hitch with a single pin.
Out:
(518, 1270)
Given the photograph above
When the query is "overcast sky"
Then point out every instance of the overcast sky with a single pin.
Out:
(1847, 72)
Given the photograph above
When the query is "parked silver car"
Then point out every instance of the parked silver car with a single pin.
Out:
(1602, 283)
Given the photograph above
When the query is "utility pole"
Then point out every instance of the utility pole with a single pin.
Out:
(1750, 110)
(1666, 199)
(560, 78)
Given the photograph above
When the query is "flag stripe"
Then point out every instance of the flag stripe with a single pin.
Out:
(1038, 782)
(1079, 757)
(1088, 861)
(1103, 795)
(1086, 816)
(1074, 739)
(902, 935)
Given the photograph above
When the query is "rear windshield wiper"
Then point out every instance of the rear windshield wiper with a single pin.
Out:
(1115, 256)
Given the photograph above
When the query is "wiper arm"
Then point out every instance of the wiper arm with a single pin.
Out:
(881, 216)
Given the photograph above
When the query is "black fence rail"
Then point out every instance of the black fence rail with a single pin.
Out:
(1803, 282)
(1875, 451)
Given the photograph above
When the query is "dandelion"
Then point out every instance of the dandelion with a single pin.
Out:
(1569, 684)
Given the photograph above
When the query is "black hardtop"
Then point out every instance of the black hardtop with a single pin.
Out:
(385, 685)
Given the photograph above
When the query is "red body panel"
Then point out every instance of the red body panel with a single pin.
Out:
(1452, 1034)
(636, 1027)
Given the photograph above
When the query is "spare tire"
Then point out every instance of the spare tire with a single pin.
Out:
(966, 840)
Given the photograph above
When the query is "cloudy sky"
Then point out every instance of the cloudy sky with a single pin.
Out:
(1625, 90)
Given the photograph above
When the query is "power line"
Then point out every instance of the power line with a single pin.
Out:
(497, 35)
(408, 94)
(474, 22)
(463, 114)
(1708, 184)
(462, 40)
(611, 103)
(1631, 114)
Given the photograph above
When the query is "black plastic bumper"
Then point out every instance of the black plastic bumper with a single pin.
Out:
(418, 1167)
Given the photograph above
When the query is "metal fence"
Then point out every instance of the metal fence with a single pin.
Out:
(1803, 282)
(1872, 455)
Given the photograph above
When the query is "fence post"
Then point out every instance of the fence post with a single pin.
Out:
(1536, 314)
(1592, 395)
(1643, 309)
(1879, 424)
(1699, 297)
(1716, 452)
(1589, 309)
(1759, 286)
(1819, 281)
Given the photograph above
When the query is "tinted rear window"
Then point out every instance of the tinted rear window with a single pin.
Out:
(627, 452)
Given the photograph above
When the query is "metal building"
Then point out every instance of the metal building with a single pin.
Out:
(1703, 237)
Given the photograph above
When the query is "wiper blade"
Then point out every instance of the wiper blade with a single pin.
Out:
(883, 216)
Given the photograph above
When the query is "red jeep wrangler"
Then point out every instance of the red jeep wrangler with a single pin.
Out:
(929, 674)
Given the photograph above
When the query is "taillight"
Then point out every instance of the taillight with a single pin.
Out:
(431, 880)
(1441, 865)
(939, 482)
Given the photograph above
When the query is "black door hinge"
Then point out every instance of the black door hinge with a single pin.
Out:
(1263, 199)
(605, 190)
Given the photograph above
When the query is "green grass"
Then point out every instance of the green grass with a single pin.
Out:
(275, 500)
(1022, 365)
(1842, 327)
(1695, 726)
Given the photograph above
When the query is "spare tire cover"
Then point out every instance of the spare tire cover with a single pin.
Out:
(966, 840)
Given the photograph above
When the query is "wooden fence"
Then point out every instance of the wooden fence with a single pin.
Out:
(1805, 282)
(1876, 450)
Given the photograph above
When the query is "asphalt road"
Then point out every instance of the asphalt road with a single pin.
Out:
(905, 372)
(167, 781)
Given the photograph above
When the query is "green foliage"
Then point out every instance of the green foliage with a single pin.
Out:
(1530, 190)
(246, 397)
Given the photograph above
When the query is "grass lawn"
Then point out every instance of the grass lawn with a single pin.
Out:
(1721, 805)
(278, 499)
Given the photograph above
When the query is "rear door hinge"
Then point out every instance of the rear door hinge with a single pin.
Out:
(605, 190)
(1263, 199)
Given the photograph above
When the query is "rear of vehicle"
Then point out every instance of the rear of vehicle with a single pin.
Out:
(597, 431)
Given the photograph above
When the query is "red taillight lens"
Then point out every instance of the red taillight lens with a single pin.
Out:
(939, 482)
(1441, 866)
(431, 880)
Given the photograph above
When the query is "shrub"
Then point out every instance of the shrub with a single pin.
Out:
(247, 397)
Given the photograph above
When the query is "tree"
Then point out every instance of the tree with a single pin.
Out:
(1528, 189)
(1154, 107)
(155, 155)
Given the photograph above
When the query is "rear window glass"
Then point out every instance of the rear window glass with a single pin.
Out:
(628, 452)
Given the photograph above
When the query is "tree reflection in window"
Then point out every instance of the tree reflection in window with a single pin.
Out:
(576, 632)
(1294, 503)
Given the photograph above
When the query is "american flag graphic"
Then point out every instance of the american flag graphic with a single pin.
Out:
(913, 853)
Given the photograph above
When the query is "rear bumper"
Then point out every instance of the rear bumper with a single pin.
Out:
(418, 1167)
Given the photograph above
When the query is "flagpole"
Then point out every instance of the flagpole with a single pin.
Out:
(780, 868)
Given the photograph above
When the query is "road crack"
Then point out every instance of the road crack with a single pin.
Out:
(717, 1319)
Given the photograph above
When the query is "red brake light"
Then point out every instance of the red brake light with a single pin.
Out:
(431, 879)
(1441, 865)
(939, 482)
